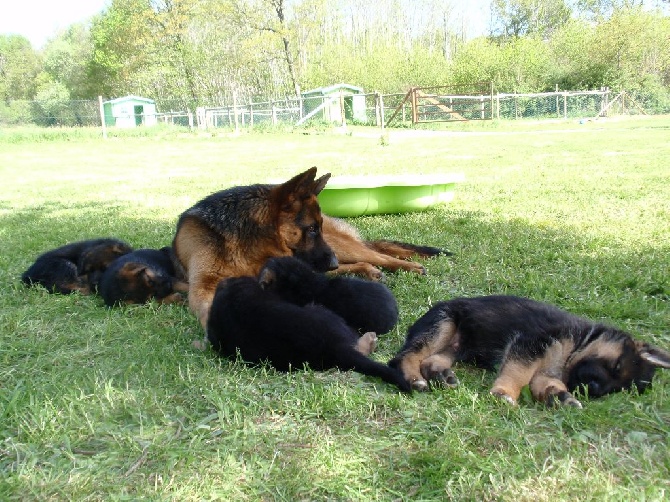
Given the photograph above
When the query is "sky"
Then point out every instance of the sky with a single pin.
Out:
(40, 20)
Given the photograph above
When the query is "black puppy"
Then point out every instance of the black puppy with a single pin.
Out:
(262, 327)
(141, 275)
(533, 343)
(364, 305)
(75, 266)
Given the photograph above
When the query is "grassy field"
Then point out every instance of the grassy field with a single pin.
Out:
(116, 404)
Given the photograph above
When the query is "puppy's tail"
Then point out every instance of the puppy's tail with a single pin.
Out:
(405, 250)
(354, 360)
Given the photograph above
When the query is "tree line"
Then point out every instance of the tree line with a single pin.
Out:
(204, 52)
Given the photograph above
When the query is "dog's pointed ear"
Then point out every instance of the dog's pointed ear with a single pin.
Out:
(296, 189)
(654, 355)
(320, 184)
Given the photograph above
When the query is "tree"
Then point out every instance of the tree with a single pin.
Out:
(121, 41)
(270, 16)
(19, 65)
(51, 102)
(66, 57)
(516, 18)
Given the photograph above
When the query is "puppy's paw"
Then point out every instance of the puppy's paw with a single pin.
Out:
(505, 397)
(420, 385)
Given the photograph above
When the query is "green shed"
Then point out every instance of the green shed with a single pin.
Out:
(130, 111)
(332, 101)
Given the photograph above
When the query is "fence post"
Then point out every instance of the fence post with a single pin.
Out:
(565, 105)
(274, 114)
(558, 114)
(516, 107)
(381, 111)
(237, 125)
(102, 117)
(415, 112)
(251, 114)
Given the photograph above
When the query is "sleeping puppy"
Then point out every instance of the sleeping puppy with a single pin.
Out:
(140, 276)
(364, 305)
(532, 343)
(74, 267)
(260, 326)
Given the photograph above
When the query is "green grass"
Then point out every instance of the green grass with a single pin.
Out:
(115, 404)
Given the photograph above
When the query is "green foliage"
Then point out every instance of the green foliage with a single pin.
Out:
(517, 18)
(65, 59)
(19, 65)
(16, 112)
(210, 52)
(51, 102)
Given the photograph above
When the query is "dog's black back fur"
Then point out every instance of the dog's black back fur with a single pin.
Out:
(364, 305)
(263, 327)
(139, 276)
(75, 266)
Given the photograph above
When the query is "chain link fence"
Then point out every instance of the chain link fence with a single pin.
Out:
(357, 109)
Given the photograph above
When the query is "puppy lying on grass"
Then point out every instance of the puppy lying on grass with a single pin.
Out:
(262, 327)
(76, 266)
(139, 276)
(364, 305)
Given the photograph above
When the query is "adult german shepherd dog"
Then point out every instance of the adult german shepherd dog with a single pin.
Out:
(233, 233)
(258, 325)
(364, 305)
(533, 343)
(139, 276)
(76, 266)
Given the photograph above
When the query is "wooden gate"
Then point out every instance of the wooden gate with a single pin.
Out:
(448, 103)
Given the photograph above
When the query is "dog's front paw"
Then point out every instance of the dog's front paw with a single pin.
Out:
(563, 398)
(419, 385)
(504, 396)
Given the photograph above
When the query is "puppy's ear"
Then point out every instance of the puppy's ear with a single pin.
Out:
(654, 355)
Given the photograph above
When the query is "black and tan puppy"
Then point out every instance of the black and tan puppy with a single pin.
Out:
(364, 305)
(262, 327)
(75, 266)
(533, 343)
(140, 276)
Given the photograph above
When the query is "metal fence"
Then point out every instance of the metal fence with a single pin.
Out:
(363, 109)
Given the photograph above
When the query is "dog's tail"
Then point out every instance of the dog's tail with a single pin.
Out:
(355, 361)
(405, 250)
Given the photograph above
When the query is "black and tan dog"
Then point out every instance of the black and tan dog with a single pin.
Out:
(533, 344)
(76, 266)
(139, 276)
(364, 305)
(233, 232)
(261, 327)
